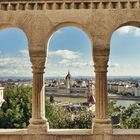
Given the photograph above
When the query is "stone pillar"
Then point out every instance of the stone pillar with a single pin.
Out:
(102, 123)
(38, 122)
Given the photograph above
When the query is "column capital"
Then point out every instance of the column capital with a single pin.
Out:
(38, 64)
(100, 63)
(100, 58)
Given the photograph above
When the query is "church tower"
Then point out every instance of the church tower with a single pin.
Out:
(68, 80)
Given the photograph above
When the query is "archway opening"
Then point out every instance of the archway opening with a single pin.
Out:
(124, 78)
(70, 79)
(15, 79)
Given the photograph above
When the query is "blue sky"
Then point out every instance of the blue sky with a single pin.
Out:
(70, 49)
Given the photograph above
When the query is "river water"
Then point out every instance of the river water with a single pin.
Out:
(125, 103)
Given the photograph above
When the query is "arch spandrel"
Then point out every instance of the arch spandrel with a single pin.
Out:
(124, 18)
(12, 21)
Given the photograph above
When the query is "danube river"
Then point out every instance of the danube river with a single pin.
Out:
(125, 103)
(124, 100)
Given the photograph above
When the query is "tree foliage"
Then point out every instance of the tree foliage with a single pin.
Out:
(59, 117)
(128, 117)
(16, 110)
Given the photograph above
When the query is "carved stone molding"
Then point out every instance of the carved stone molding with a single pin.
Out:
(100, 63)
(37, 53)
(100, 58)
(14, 5)
(38, 64)
(101, 51)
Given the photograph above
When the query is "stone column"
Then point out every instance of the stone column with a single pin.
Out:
(38, 122)
(102, 123)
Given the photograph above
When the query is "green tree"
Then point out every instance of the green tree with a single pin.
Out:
(82, 120)
(59, 117)
(52, 99)
(56, 115)
(130, 117)
(16, 110)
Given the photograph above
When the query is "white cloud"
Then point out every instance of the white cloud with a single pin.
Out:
(113, 65)
(123, 69)
(24, 52)
(129, 29)
(15, 65)
(64, 61)
(77, 64)
(61, 67)
(137, 32)
(124, 30)
(120, 66)
(80, 64)
(65, 54)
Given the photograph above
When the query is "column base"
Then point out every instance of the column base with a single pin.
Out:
(102, 126)
(38, 126)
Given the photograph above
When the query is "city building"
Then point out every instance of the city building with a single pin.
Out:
(69, 87)
(68, 80)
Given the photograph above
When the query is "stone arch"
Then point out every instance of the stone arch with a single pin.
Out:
(120, 24)
(12, 21)
(132, 23)
(129, 23)
(66, 24)
(4, 26)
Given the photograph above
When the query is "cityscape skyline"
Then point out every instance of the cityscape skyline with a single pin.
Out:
(65, 53)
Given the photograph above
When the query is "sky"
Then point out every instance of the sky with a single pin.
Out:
(70, 49)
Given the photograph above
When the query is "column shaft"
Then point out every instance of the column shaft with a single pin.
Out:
(38, 122)
(37, 96)
(102, 123)
(101, 95)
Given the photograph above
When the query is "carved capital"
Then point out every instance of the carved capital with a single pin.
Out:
(100, 63)
(100, 58)
(38, 64)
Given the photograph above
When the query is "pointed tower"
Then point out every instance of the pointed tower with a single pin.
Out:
(68, 80)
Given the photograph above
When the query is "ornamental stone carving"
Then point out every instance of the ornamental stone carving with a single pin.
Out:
(100, 58)
(38, 64)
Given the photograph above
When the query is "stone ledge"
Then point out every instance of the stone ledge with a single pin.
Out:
(13, 131)
(70, 132)
(50, 132)
(126, 132)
